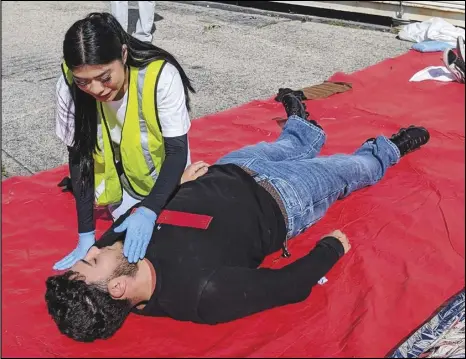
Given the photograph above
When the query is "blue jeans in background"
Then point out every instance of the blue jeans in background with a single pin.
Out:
(308, 184)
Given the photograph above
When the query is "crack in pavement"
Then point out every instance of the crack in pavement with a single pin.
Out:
(273, 23)
(18, 162)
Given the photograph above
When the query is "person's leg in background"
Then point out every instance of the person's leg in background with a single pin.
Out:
(120, 11)
(299, 138)
(145, 21)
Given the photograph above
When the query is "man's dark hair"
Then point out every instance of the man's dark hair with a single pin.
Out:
(84, 312)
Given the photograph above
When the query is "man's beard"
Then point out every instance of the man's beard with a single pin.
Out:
(124, 268)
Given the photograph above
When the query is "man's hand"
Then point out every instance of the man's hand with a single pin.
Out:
(342, 238)
(194, 171)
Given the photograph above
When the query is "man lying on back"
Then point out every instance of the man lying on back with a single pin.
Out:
(201, 264)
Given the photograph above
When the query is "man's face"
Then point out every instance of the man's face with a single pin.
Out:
(102, 265)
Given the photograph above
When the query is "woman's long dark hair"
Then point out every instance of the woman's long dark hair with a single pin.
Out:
(97, 40)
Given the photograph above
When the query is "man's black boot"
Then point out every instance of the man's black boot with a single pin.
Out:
(284, 91)
(410, 139)
(295, 107)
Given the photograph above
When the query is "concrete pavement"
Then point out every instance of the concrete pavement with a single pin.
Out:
(231, 57)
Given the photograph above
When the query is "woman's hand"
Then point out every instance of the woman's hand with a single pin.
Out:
(194, 171)
(139, 227)
(85, 242)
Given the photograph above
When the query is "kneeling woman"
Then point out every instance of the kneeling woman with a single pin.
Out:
(123, 113)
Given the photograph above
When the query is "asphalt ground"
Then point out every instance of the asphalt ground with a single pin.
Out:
(232, 58)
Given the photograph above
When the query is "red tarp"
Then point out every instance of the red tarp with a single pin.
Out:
(407, 234)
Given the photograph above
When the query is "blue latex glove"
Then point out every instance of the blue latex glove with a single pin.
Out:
(139, 227)
(85, 242)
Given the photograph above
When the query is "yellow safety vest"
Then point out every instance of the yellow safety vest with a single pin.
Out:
(141, 149)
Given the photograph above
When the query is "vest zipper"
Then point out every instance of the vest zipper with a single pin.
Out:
(104, 120)
(121, 140)
(119, 152)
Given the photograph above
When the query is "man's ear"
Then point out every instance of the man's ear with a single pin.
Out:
(117, 288)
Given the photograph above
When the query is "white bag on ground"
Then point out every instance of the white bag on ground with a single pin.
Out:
(432, 29)
(436, 73)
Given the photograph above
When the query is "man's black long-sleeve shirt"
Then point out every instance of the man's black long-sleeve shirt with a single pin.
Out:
(210, 275)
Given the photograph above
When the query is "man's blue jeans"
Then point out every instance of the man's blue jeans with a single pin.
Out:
(308, 184)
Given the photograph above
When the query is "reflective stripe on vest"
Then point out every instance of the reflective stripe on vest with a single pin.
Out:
(141, 149)
(142, 123)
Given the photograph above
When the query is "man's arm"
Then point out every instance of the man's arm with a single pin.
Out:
(236, 292)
